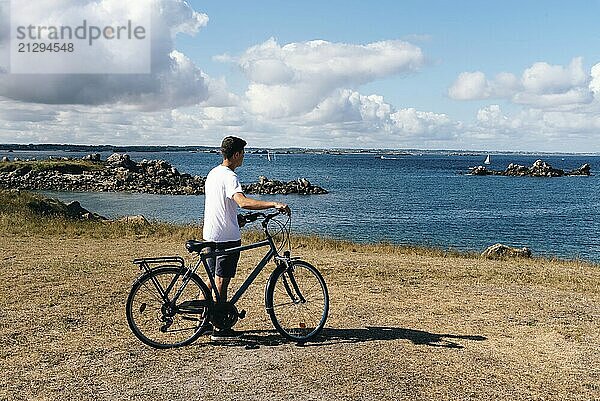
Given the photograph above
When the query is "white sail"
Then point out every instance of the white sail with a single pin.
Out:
(488, 160)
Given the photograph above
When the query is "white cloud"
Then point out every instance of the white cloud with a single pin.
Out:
(542, 85)
(349, 111)
(574, 96)
(543, 78)
(491, 116)
(534, 129)
(475, 85)
(175, 80)
(423, 124)
(595, 81)
(293, 79)
(469, 86)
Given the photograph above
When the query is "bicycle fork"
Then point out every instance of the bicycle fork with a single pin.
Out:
(289, 281)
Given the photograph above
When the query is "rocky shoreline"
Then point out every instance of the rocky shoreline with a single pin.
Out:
(539, 168)
(118, 173)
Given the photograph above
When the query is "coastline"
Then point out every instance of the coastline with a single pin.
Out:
(119, 173)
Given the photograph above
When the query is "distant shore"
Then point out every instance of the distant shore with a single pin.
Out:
(263, 150)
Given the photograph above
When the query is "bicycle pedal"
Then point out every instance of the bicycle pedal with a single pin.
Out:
(242, 314)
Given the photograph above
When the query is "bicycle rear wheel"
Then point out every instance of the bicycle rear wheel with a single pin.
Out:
(152, 317)
(297, 301)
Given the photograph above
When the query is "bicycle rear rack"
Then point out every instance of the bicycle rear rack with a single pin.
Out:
(145, 263)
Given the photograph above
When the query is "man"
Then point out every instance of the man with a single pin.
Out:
(223, 195)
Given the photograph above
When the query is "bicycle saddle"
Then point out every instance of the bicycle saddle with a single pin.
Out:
(198, 246)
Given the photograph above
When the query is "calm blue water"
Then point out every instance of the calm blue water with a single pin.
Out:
(420, 199)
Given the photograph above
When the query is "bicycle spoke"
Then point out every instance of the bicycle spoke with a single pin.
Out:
(152, 291)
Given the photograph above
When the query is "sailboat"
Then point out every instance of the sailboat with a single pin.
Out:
(268, 155)
(488, 160)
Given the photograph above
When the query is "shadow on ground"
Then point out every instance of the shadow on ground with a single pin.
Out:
(256, 338)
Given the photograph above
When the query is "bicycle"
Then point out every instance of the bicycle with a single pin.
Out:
(169, 305)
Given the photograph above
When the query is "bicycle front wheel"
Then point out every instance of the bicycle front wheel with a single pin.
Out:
(159, 323)
(297, 301)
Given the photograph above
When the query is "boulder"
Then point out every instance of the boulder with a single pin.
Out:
(479, 170)
(94, 157)
(498, 251)
(542, 169)
(121, 160)
(76, 211)
(5, 159)
(585, 169)
(137, 219)
(518, 170)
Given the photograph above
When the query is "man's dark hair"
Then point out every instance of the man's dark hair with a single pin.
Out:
(232, 145)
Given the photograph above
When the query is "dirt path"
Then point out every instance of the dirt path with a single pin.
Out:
(400, 327)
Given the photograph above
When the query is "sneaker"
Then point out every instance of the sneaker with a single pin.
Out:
(225, 335)
(206, 329)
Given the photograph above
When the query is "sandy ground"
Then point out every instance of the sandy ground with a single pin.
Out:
(401, 326)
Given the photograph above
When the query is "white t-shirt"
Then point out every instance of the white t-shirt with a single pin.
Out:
(220, 210)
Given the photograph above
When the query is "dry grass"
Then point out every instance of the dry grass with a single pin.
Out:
(74, 166)
(405, 323)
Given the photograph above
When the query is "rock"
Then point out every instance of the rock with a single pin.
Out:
(5, 159)
(542, 169)
(94, 157)
(497, 251)
(539, 168)
(304, 183)
(299, 186)
(137, 219)
(76, 211)
(479, 170)
(120, 160)
(514, 169)
(121, 174)
(583, 170)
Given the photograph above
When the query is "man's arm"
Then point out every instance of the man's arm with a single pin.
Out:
(254, 204)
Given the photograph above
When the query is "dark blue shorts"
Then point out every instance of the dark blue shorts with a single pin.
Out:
(226, 265)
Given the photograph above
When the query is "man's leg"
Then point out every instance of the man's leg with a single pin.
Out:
(222, 284)
(224, 270)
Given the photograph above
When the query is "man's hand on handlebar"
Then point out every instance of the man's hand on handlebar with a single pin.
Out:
(244, 219)
(282, 207)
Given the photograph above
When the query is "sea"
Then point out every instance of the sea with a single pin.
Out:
(418, 198)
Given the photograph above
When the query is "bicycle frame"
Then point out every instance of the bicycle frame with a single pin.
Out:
(249, 280)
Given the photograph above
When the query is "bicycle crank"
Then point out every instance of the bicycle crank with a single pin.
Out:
(224, 315)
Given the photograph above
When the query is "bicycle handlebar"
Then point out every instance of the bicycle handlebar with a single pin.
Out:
(251, 217)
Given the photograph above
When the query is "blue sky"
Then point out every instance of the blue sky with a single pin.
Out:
(511, 75)
(456, 36)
